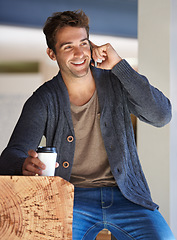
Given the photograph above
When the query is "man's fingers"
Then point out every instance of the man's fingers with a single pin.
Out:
(33, 158)
(32, 164)
(37, 163)
(33, 168)
(27, 173)
(56, 164)
(32, 153)
(107, 54)
(98, 54)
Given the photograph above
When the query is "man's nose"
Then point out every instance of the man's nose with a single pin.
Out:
(78, 52)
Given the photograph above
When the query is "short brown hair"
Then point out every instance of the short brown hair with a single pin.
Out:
(59, 20)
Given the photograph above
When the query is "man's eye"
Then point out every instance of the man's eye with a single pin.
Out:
(84, 44)
(67, 47)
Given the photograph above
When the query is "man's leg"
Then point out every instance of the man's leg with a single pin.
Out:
(87, 213)
(137, 222)
(98, 208)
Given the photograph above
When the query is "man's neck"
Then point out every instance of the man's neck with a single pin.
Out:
(80, 89)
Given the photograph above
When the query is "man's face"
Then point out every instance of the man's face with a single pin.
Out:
(73, 52)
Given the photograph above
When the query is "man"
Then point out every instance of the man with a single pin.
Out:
(85, 113)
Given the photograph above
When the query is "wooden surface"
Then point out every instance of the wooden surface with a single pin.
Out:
(35, 208)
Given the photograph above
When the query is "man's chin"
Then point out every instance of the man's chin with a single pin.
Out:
(81, 73)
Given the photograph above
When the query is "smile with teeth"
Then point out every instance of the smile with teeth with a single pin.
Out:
(78, 63)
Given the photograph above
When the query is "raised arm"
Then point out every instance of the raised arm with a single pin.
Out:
(144, 100)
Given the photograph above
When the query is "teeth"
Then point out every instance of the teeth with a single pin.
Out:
(78, 63)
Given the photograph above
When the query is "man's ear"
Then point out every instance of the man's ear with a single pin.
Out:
(51, 54)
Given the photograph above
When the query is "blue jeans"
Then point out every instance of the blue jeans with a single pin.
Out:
(99, 208)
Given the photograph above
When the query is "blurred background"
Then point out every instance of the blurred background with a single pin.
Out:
(143, 32)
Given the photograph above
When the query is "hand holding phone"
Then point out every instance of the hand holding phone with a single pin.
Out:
(104, 56)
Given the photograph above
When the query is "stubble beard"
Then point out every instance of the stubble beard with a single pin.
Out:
(74, 73)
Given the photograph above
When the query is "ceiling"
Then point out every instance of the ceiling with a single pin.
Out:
(107, 17)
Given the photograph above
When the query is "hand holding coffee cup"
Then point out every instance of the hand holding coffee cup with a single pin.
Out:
(48, 156)
(34, 166)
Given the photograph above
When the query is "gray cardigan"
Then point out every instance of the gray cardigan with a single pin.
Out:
(121, 91)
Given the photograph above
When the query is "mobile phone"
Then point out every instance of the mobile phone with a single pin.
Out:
(92, 60)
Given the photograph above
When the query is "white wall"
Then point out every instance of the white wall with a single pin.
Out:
(157, 58)
(173, 127)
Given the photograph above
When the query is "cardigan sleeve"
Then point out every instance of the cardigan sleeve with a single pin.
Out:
(144, 101)
(27, 135)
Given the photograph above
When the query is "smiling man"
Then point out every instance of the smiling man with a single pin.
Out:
(84, 112)
(72, 52)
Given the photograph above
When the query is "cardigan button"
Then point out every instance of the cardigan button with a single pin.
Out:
(70, 139)
(65, 164)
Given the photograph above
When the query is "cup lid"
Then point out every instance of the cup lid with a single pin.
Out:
(46, 149)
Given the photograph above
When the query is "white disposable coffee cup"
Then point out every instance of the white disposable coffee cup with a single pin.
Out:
(48, 156)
